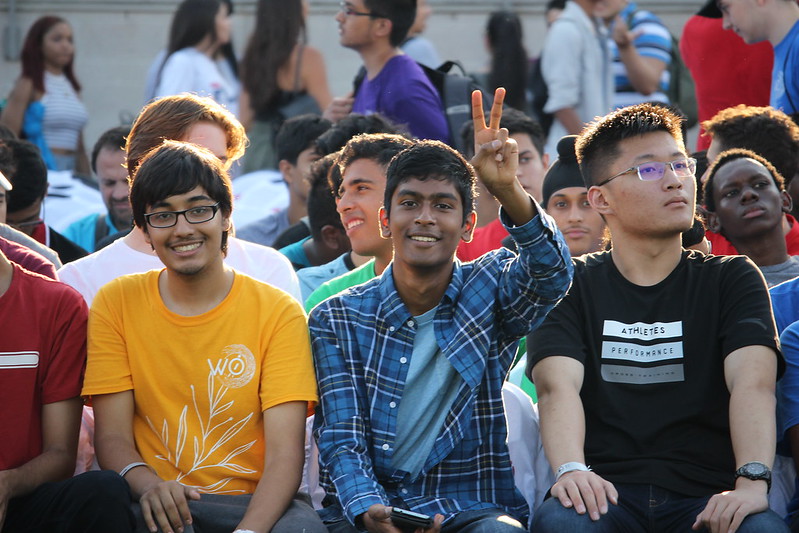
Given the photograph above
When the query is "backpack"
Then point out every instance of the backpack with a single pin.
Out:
(538, 86)
(455, 91)
(681, 91)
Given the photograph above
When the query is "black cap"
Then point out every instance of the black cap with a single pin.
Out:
(710, 10)
(565, 172)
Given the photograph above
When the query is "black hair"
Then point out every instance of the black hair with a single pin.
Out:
(695, 234)
(188, 166)
(509, 61)
(22, 164)
(701, 168)
(401, 13)
(764, 130)
(111, 139)
(727, 157)
(432, 160)
(7, 133)
(515, 122)
(193, 20)
(555, 4)
(348, 127)
(598, 144)
(377, 147)
(298, 134)
(321, 202)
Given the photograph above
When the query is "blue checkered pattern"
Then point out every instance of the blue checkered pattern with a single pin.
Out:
(362, 344)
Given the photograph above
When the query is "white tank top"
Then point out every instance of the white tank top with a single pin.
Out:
(64, 113)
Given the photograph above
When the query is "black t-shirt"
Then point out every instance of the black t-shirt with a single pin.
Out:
(654, 394)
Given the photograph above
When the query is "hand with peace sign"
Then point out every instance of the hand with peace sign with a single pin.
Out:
(497, 158)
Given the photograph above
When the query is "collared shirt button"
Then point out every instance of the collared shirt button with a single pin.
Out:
(391, 328)
(392, 405)
(404, 491)
(403, 360)
(386, 446)
(410, 323)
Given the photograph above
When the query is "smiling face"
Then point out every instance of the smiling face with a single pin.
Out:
(576, 219)
(426, 223)
(359, 199)
(188, 249)
(748, 202)
(58, 48)
(113, 180)
(661, 208)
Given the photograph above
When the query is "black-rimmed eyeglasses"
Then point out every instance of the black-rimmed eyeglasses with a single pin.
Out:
(193, 215)
(349, 11)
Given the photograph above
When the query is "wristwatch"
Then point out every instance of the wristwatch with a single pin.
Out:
(755, 471)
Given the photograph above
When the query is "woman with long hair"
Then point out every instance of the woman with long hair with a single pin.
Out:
(281, 77)
(200, 30)
(44, 106)
(509, 61)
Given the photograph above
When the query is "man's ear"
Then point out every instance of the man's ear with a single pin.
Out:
(545, 161)
(385, 232)
(334, 238)
(285, 169)
(469, 226)
(712, 221)
(787, 202)
(382, 27)
(598, 201)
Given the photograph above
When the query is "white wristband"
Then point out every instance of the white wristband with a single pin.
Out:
(244, 531)
(131, 466)
(565, 468)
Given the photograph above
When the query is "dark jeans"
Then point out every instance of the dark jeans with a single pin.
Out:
(94, 502)
(221, 513)
(482, 521)
(644, 509)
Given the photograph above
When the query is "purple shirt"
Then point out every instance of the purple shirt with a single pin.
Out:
(402, 92)
(27, 258)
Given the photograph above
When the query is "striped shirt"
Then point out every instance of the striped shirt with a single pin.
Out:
(652, 39)
(64, 113)
(363, 342)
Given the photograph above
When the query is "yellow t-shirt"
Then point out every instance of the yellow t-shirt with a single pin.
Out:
(202, 382)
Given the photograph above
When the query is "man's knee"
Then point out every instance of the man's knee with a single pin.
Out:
(299, 518)
(766, 522)
(552, 517)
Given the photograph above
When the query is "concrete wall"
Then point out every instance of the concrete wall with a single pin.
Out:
(117, 39)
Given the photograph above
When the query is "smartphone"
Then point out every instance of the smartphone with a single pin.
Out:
(408, 520)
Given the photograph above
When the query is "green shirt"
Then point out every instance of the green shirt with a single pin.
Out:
(362, 274)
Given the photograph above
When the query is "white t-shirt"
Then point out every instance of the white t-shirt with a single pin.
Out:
(190, 71)
(88, 274)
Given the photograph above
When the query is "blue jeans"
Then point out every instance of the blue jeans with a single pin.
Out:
(644, 509)
(480, 521)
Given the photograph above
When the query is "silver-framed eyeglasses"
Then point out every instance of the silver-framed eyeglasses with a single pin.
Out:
(655, 170)
(193, 215)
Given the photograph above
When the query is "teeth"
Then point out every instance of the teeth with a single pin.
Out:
(423, 239)
(354, 223)
(187, 247)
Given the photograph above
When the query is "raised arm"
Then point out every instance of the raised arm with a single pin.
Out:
(751, 375)
(497, 158)
(643, 72)
(558, 381)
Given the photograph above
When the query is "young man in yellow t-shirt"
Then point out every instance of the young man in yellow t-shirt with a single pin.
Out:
(201, 377)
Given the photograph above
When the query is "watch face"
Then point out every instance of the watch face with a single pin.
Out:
(755, 469)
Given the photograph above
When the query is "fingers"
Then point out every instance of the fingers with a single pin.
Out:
(478, 114)
(496, 108)
(585, 492)
(165, 506)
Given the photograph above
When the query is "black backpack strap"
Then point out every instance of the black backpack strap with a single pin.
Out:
(100, 228)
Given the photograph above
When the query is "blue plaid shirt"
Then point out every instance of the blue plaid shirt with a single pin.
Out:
(362, 343)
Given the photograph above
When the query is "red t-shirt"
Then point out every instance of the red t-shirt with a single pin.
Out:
(27, 258)
(42, 358)
(726, 70)
(721, 246)
(485, 239)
